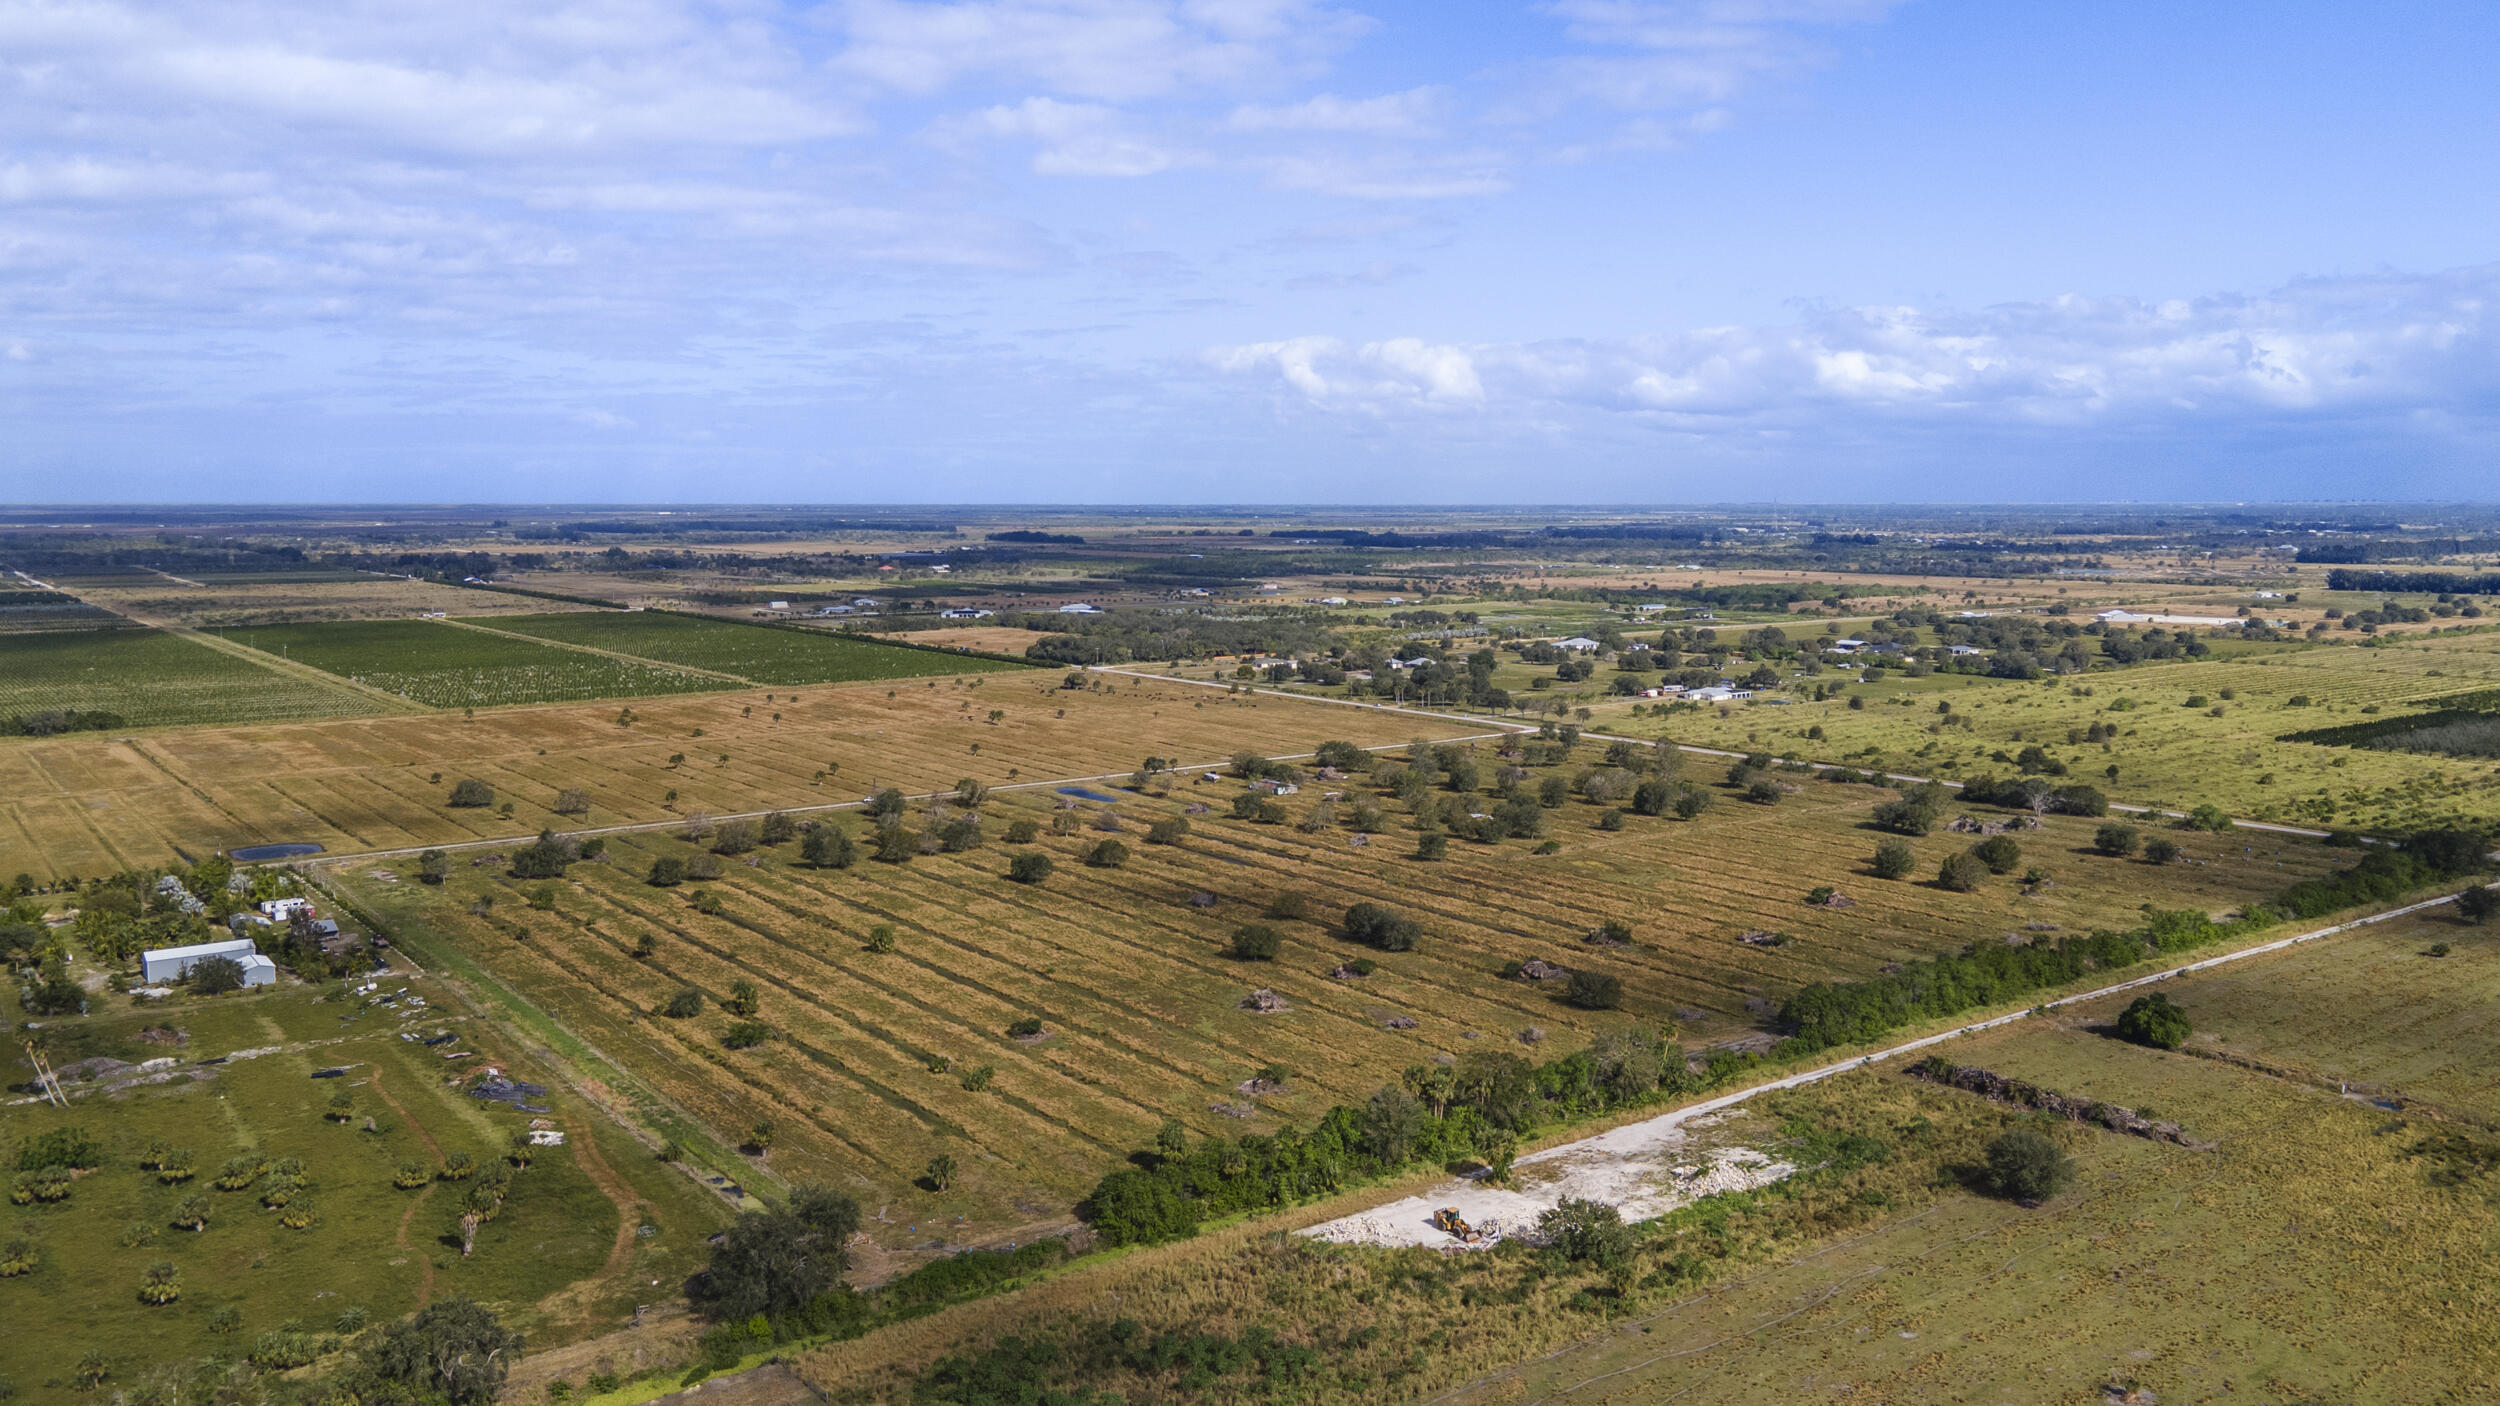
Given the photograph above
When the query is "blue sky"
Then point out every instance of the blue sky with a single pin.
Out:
(1621, 251)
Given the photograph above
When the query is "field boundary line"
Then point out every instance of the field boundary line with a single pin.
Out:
(617, 654)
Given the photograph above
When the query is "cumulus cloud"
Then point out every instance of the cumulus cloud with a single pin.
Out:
(2393, 345)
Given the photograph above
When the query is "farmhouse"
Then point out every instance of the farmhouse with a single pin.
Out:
(1848, 646)
(964, 613)
(173, 963)
(1581, 643)
(1718, 693)
(1080, 608)
(281, 910)
(1961, 651)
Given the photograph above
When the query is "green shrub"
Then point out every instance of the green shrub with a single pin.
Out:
(1999, 852)
(2024, 1165)
(1029, 868)
(2117, 839)
(1894, 859)
(2153, 1020)
(1594, 990)
(683, 1003)
(1960, 873)
(1256, 943)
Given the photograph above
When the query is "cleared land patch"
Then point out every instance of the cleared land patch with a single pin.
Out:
(763, 655)
(151, 679)
(441, 666)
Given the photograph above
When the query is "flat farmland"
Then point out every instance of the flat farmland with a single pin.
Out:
(756, 653)
(221, 600)
(443, 666)
(2167, 753)
(2308, 1257)
(1126, 969)
(86, 804)
(155, 679)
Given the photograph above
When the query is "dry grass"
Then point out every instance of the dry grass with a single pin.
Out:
(93, 803)
(1128, 973)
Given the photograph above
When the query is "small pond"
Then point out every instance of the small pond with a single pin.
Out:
(253, 854)
(1084, 795)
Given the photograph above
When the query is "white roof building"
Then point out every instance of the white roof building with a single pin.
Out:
(279, 910)
(1080, 608)
(172, 963)
(1961, 649)
(1580, 643)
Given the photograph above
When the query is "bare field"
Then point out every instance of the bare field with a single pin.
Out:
(1126, 970)
(997, 639)
(88, 804)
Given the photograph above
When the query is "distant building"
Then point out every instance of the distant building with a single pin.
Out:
(1080, 608)
(1961, 650)
(1718, 694)
(1331, 600)
(963, 613)
(162, 964)
(1579, 643)
(1850, 646)
(281, 910)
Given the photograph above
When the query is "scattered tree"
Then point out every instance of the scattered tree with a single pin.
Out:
(472, 793)
(2024, 1165)
(457, 1350)
(1030, 867)
(2153, 1020)
(1999, 852)
(2161, 849)
(1587, 1232)
(215, 976)
(1594, 990)
(433, 866)
(1894, 859)
(941, 1172)
(684, 1003)
(1376, 925)
(2116, 838)
(1256, 943)
(1110, 854)
(667, 871)
(2477, 904)
(1960, 873)
(828, 846)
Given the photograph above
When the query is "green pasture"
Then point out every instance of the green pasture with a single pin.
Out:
(152, 678)
(756, 653)
(373, 1246)
(445, 666)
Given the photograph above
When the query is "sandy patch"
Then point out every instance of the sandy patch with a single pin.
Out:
(1644, 1171)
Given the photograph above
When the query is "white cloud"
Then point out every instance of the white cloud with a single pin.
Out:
(1107, 50)
(2323, 348)
(1417, 112)
(1074, 139)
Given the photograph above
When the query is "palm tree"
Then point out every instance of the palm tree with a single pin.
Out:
(157, 1286)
